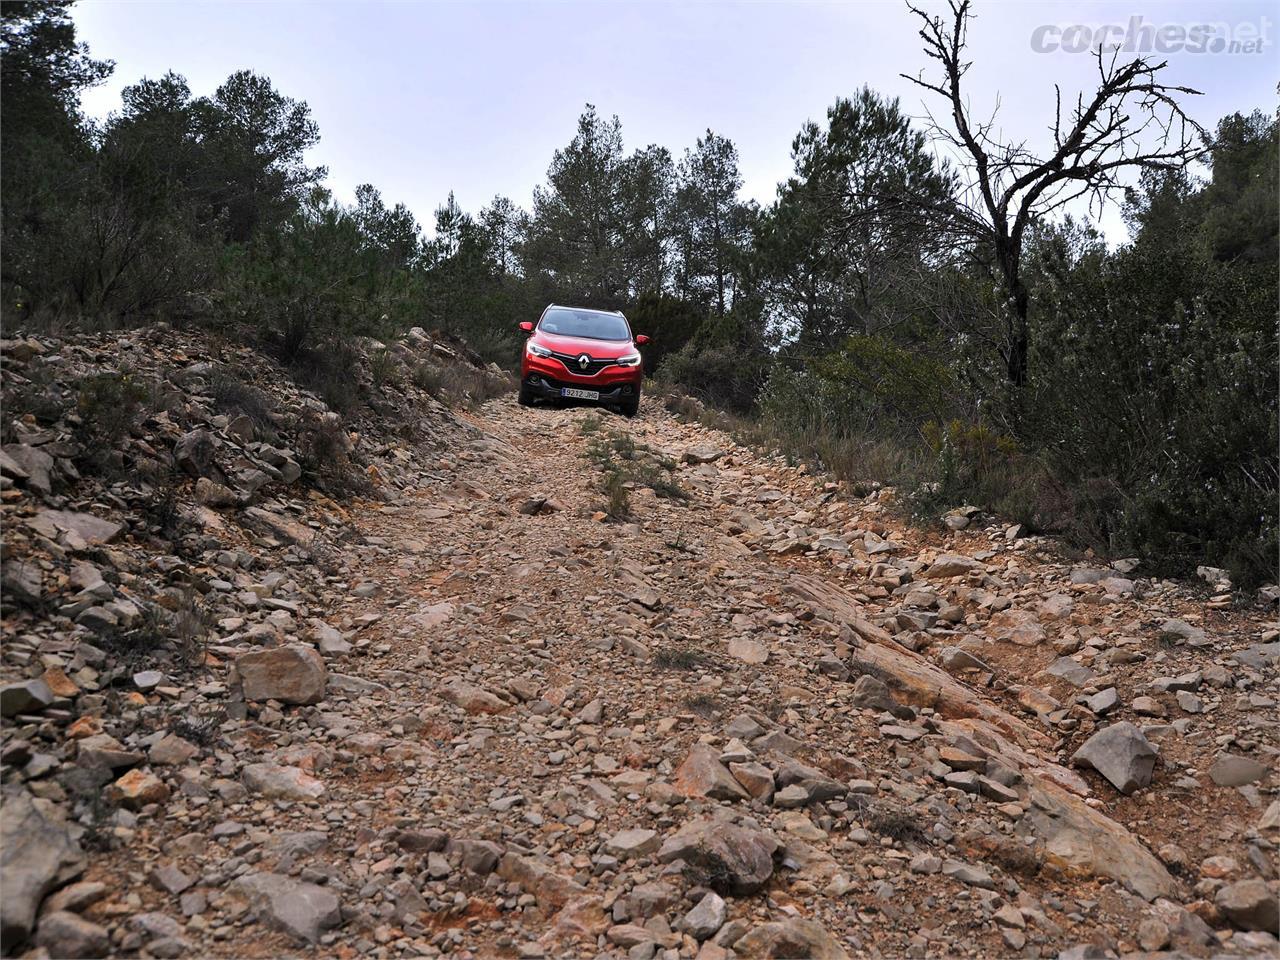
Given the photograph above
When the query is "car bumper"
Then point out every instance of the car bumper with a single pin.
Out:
(548, 388)
(547, 377)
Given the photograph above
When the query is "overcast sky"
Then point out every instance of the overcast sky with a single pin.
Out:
(420, 98)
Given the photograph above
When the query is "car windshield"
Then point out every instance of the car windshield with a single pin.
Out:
(585, 323)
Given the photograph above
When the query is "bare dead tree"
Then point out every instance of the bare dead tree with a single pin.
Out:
(1132, 120)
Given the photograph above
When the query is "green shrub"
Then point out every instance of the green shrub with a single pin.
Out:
(109, 404)
(234, 397)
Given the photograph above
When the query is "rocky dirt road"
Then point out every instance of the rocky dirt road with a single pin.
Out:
(760, 717)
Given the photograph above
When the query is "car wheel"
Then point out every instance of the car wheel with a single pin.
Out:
(631, 407)
(526, 396)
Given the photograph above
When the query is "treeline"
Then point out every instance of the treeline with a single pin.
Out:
(866, 317)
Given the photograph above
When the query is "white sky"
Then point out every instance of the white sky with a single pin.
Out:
(420, 98)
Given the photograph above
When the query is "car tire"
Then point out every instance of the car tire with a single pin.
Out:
(526, 396)
(629, 408)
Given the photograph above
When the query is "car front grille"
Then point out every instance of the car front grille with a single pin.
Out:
(594, 365)
(606, 389)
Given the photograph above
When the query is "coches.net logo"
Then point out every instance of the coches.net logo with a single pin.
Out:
(1137, 36)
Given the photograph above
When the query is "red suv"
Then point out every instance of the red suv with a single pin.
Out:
(578, 354)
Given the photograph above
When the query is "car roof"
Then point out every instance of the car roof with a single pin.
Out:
(565, 306)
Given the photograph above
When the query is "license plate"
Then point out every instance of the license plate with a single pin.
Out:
(579, 394)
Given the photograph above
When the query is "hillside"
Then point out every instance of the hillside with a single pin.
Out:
(444, 677)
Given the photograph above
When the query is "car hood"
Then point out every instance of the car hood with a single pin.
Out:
(602, 349)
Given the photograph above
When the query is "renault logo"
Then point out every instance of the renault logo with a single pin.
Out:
(584, 361)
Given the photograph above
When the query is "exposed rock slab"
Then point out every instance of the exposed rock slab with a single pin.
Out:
(37, 854)
(1081, 841)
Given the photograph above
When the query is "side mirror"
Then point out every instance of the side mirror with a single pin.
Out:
(527, 327)
(641, 340)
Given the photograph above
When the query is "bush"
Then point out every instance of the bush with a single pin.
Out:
(329, 373)
(719, 375)
(461, 383)
(108, 405)
(668, 321)
(1155, 403)
(325, 452)
(232, 396)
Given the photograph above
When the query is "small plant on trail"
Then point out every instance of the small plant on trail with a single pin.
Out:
(618, 497)
(686, 657)
(706, 869)
(703, 704)
(627, 465)
(894, 824)
(383, 368)
(202, 726)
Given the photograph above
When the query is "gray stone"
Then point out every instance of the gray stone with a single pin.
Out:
(37, 855)
(156, 924)
(756, 778)
(792, 796)
(636, 842)
(703, 453)
(1180, 630)
(817, 785)
(744, 728)
(968, 873)
(286, 783)
(702, 775)
(795, 937)
(74, 528)
(66, 935)
(104, 750)
(871, 693)
(1103, 702)
(748, 651)
(148, 679)
(34, 466)
(302, 910)
(477, 856)
(1120, 753)
(1089, 843)
(729, 858)
(1250, 905)
(194, 454)
(956, 660)
(1072, 671)
(172, 750)
(76, 897)
(21, 581)
(707, 917)
(1016, 626)
(328, 640)
(952, 565)
(422, 841)
(292, 674)
(1230, 770)
(29, 696)
(214, 494)
(169, 878)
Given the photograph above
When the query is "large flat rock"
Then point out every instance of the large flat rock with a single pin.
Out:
(37, 854)
(1080, 841)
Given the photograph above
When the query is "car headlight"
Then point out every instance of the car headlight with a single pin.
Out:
(628, 359)
(537, 349)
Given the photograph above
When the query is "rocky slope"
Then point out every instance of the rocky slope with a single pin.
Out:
(526, 683)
